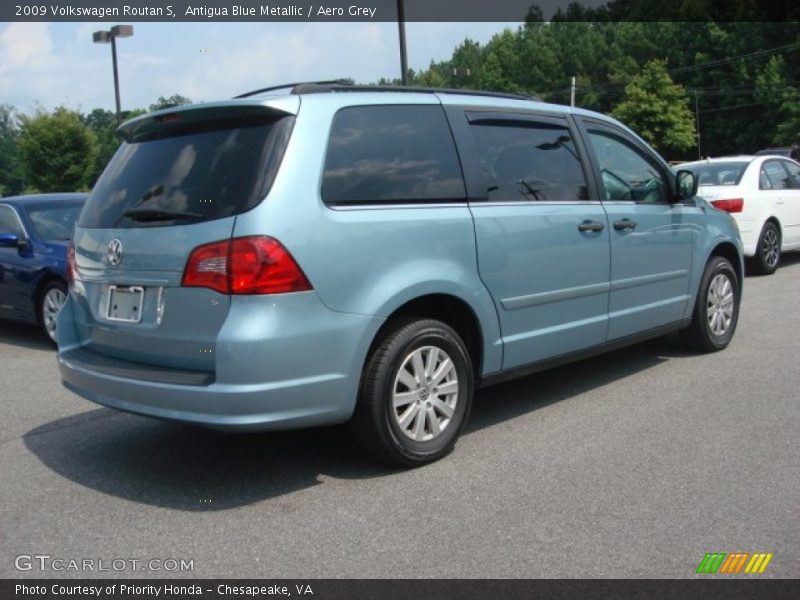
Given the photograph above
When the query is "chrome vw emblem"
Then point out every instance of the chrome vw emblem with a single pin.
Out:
(115, 252)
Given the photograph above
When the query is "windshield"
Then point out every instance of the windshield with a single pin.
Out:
(54, 222)
(215, 169)
(727, 173)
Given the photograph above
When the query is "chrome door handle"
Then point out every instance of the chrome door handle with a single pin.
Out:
(590, 226)
(624, 224)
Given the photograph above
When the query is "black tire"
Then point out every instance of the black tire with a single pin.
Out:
(42, 310)
(377, 423)
(768, 251)
(699, 335)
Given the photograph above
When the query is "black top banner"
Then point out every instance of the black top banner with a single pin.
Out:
(269, 10)
(390, 10)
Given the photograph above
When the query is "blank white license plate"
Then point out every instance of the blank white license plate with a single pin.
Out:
(125, 303)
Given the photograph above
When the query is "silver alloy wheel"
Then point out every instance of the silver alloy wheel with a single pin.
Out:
(770, 248)
(51, 303)
(720, 304)
(425, 393)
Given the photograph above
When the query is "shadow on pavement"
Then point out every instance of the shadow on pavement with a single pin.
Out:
(24, 335)
(192, 469)
(500, 403)
(787, 259)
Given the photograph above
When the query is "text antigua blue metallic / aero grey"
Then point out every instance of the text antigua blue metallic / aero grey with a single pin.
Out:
(336, 253)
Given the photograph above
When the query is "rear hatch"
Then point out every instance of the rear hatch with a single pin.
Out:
(177, 182)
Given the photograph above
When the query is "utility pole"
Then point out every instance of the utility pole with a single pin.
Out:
(697, 121)
(572, 92)
(401, 26)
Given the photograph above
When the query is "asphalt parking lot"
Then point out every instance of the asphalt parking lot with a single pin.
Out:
(634, 464)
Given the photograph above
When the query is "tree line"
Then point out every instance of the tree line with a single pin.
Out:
(690, 88)
(736, 83)
(62, 150)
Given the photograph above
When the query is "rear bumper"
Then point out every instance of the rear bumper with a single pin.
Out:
(282, 362)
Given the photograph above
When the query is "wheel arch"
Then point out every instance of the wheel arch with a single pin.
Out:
(774, 220)
(45, 278)
(451, 310)
(730, 252)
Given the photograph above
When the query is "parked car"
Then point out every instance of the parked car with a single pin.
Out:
(763, 194)
(34, 232)
(792, 152)
(332, 253)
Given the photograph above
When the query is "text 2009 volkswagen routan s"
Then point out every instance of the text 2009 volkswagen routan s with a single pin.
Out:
(331, 253)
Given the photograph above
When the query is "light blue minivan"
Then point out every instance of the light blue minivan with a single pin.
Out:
(323, 253)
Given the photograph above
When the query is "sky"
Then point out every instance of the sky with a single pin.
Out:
(54, 64)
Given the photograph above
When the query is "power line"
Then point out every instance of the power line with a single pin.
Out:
(737, 106)
(744, 90)
(722, 61)
(698, 67)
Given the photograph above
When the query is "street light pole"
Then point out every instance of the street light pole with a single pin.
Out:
(401, 26)
(104, 37)
(116, 76)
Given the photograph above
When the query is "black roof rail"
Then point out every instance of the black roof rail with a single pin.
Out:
(317, 88)
(291, 85)
(343, 85)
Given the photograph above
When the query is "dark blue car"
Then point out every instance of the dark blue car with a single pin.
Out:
(34, 235)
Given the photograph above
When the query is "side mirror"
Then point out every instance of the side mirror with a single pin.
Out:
(10, 240)
(686, 184)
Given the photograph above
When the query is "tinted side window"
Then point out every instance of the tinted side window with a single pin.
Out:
(627, 173)
(9, 222)
(391, 154)
(524, 160)
(794, 174)
(776, 175)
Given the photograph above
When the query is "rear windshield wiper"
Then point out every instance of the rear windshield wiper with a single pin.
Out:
(158, 214)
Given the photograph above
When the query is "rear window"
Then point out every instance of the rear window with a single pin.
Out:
(391, 154)
(54, 222)
(727, 173)
(212, 170)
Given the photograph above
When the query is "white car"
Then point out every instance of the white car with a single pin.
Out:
(763, 195)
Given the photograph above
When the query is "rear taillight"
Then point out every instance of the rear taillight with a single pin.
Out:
(71, 266)
(247, 265)
(731, 205)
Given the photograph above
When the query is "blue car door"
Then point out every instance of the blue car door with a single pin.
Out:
(15, 290)
(652, 237)
(541, 231)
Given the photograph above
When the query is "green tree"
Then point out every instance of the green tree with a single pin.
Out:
(788, 132)
(11, 180)
(746, 99)
(57, 150)
(657, 108)
(174, 100)
(781, 122)
(433, 77)
(103, 123)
